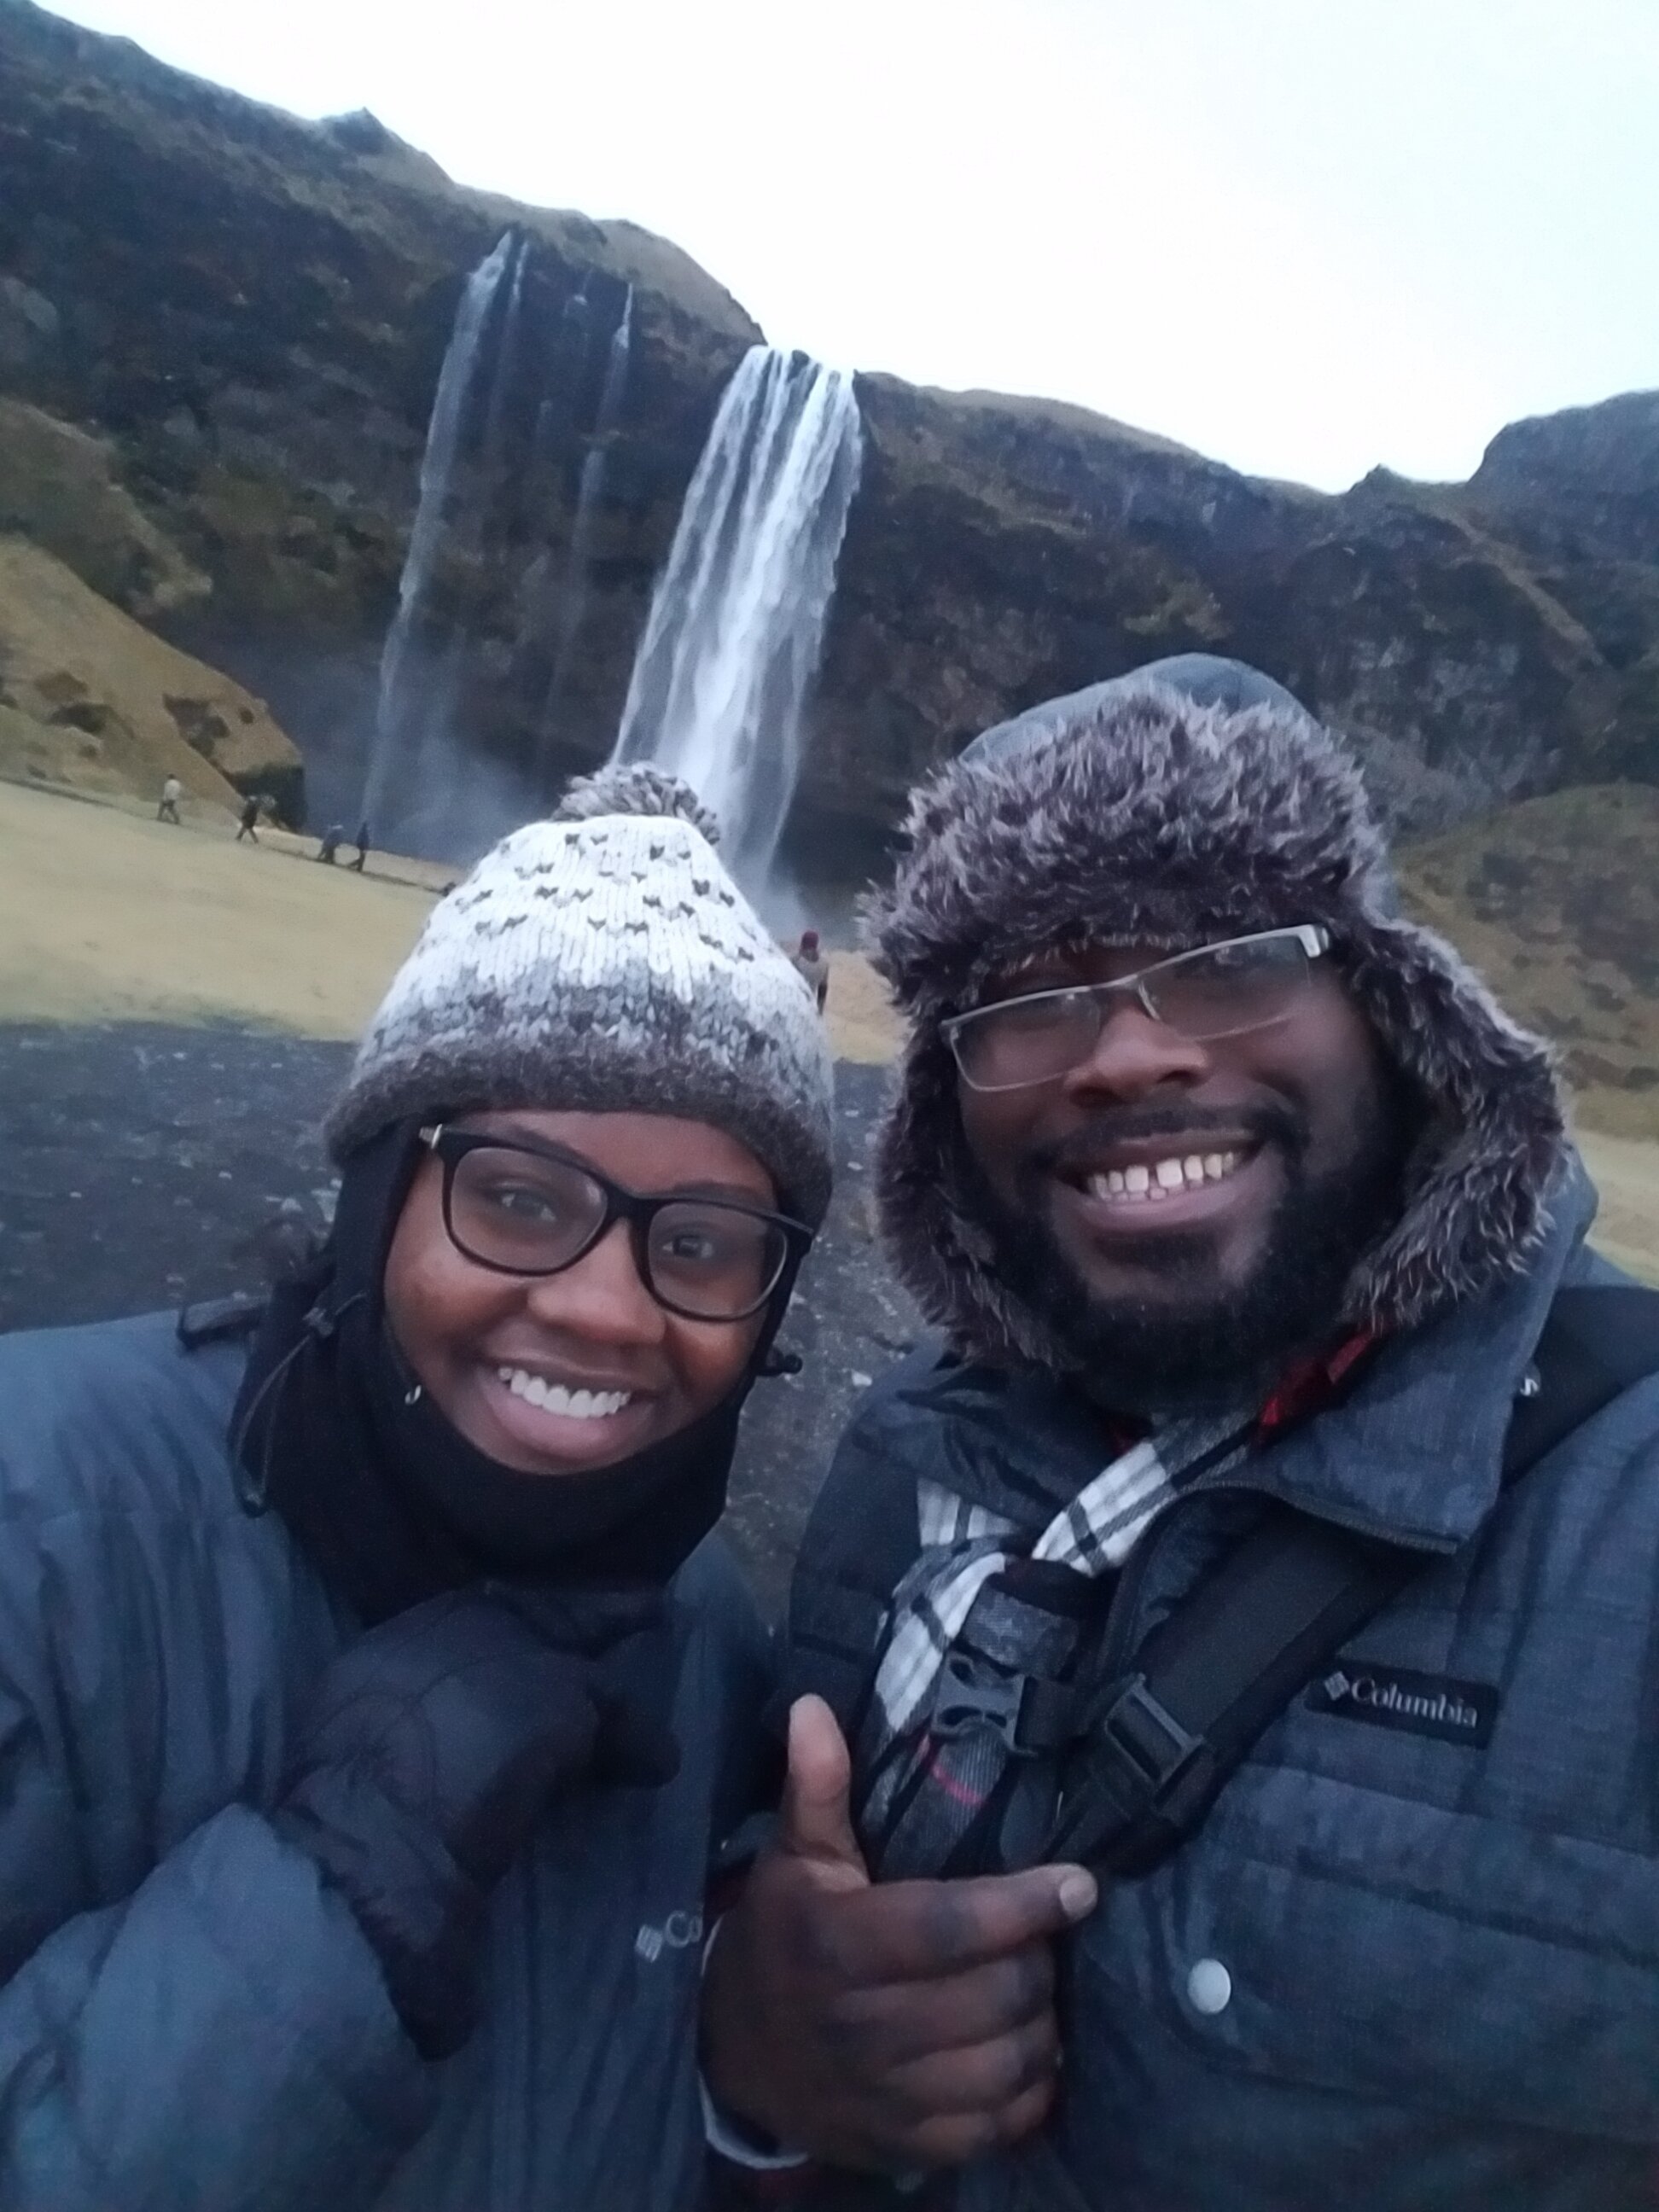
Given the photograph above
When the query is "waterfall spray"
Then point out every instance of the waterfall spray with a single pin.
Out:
(737, 622)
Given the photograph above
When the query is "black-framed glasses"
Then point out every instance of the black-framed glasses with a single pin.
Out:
(523, 1209)
(1215, 990)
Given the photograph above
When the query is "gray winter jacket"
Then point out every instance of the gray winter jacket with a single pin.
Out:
(1402, 1968)
(188, 2020)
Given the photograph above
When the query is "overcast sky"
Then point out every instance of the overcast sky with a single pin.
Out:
(1303, 235)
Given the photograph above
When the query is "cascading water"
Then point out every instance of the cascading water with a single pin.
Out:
(573, 600)
(504, 351)
(737, 621)
(411, 705)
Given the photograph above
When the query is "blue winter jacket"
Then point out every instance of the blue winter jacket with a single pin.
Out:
(1411, 1963)
(190, 2021)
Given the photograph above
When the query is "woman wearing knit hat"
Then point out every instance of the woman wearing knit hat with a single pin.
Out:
(371, 1706)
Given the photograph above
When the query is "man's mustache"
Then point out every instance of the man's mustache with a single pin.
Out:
(1265, 1124)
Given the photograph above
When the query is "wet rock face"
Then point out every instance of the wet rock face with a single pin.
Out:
(1002, 552)
(253, 311)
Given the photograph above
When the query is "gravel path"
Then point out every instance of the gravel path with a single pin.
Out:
(145, 1165)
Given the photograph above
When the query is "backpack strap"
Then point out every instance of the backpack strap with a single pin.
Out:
(1232, 1655)
(860, 1543)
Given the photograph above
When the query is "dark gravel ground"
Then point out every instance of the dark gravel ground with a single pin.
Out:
(145, 1165)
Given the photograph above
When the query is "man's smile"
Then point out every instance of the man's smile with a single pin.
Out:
(1151, 1186)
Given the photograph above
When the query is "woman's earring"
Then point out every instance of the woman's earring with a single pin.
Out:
(412, 1395)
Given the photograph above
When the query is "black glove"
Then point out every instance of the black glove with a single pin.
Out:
(433, 1748)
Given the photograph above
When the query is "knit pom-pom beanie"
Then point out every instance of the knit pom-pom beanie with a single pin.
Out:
(604, 961)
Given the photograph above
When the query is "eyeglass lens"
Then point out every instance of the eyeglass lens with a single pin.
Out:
(530, 1216)
(1218, 991)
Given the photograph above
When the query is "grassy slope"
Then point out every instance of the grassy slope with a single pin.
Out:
(90, 697)
(1557, 902)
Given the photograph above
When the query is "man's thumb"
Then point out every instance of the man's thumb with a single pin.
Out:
(816, 1822)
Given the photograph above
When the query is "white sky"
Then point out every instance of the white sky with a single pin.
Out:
(1303, 235)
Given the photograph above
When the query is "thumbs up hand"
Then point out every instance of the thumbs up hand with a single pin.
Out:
(815, 1825)
(883, 2026)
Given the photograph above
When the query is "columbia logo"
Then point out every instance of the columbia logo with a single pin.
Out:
(1401, 1698)
(678, 1933)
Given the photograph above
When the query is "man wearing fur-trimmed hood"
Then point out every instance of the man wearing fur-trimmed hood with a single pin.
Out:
(1238, 1204)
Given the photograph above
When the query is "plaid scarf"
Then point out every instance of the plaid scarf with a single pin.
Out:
(1008, 1580)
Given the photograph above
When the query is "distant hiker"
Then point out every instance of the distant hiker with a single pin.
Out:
(248, 820)
(333, 838)
(172, 792)
(1273, 1527)
(373, 1696)
(810, 962)
(361, 842)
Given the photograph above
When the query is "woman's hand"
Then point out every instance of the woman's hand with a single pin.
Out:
(434, 1747)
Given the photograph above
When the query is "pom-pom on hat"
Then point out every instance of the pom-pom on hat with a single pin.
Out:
(604, 961)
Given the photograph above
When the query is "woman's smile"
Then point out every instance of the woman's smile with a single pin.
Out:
(569, 1427)
(582, 1368)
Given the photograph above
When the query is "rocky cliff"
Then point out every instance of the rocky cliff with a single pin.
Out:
(250, 311)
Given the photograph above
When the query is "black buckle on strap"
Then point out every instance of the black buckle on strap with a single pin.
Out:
(1140, 1784)
(1031, 1715)
(1159, 1754)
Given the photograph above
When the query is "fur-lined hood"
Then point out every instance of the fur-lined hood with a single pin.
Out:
(1138, 811)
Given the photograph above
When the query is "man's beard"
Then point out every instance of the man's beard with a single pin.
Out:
(1212, 1345)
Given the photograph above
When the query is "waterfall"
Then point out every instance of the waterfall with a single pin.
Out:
(573, 598)
(410, 707)
(504, 349)
(737, 621)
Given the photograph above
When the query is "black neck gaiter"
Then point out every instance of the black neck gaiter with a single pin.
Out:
(388, 1501)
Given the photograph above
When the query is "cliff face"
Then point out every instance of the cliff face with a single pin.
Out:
(1004, 550)
(252, 312)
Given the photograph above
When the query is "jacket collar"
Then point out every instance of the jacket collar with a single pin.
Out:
(1415, 1452)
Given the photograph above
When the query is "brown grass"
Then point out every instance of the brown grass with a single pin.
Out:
(107, 914)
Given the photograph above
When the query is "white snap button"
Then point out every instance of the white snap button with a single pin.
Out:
(1209, 1987)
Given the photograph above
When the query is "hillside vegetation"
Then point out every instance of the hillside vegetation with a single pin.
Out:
(91, 699)
(1557, 902)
